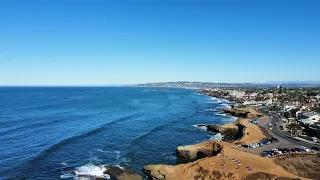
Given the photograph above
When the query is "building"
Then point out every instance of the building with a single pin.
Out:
(313, 116)
(237, 94)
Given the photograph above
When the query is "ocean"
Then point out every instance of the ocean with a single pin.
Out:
(49, 132)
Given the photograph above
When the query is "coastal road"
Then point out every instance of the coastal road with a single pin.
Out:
(276, 132)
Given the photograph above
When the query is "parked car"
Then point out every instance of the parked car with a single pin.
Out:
(305, 149)
(265, 141)
(294, 150)
(245, 145)
(284, 150)
(298, 149)
(265, 154)
(274, 139)
(253, 146)
(277, 151)
(260, 144)
(271, 153)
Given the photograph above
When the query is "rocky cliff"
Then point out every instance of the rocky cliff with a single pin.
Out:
(198, 151)
(229, 132)
(109, 172)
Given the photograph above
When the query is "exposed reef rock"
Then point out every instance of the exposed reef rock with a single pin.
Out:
(154, 172)
(122, 174)
(110, 172)
(198, 151)
(237, 112)
(243, 112)
(229, 134)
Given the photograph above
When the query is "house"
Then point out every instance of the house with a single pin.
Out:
(306, 122)
(237, 94)
(270, 95)
(250, 96)
(254, 103)
(313, 116)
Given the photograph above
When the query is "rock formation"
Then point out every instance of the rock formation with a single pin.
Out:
(111, 172)
(122, 174)
(198, 151)
(237, 112)
(229, 132)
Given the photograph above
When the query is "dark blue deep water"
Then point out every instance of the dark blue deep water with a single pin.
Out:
(46, 133)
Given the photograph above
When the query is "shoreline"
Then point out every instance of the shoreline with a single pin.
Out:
(203, 161)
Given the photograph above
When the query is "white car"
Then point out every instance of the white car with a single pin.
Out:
(252, 145)
(305, 149)
(277, 150)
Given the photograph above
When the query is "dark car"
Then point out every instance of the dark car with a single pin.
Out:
(272, 153)
(274, 139)
(284, 150)
(266, 141)
(316, 148)
(294, 150)
(281, 149)
(265, 153)
(271, 140)
(298, 149)
(245, 146)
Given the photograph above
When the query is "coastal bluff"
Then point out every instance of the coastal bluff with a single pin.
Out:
(243, 112)
(220, 166)
(229, 132)
(198, 151)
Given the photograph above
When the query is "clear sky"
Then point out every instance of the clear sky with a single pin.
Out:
(100, 42)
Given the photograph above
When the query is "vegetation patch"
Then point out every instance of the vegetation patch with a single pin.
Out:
(302, 165)
(265, 176)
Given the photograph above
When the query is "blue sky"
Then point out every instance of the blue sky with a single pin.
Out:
(100, 42)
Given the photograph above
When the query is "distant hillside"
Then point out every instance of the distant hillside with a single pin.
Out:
(203, 85)
(292, 82)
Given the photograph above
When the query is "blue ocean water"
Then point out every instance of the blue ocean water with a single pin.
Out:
(48, 132)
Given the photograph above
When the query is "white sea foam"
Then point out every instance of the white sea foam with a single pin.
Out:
(126, 160)
(211, 109)
(64, 163)
(67, 176)
(224, 100)
(204, 128)
(226, 106)
(217, 137)
(91, 171)
(220, 114)
(214, 98)
(117, 153)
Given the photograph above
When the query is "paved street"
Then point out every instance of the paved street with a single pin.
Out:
(284, 140)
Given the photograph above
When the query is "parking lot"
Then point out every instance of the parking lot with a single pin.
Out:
(264, 121)
(274, 145)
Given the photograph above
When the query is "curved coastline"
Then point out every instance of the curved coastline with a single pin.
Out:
(207, 160)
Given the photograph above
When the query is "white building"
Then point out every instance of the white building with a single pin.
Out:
(237, 94)
(313, 116)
